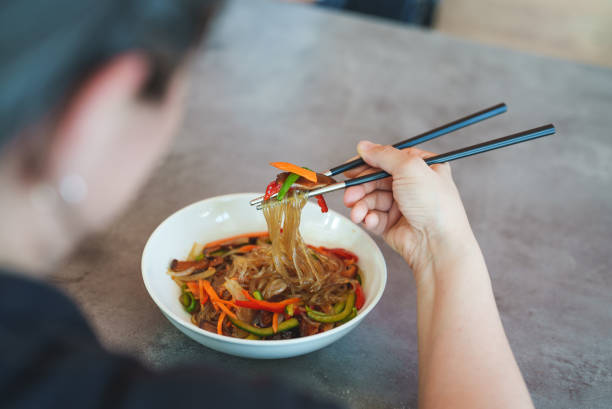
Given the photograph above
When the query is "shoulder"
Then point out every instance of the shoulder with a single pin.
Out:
(33, 307)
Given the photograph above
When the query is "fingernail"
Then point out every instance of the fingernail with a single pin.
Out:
(364, 146)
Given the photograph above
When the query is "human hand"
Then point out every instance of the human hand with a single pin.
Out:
(418, 211)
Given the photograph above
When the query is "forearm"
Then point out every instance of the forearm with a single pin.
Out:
(464, 356)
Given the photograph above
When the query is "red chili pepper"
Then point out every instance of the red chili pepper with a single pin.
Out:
(359, 296)
(272, 189)
(322, 204)
(345, 255)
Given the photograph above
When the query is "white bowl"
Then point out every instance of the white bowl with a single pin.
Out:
(225, 216)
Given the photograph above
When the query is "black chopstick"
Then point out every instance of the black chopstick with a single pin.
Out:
(513, 139)
(429, 135)
(464, 152)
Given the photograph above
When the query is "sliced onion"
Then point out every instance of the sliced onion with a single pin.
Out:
(243, 314)
(199, 276)
(182, 273)
(234, 289)
(196, 250)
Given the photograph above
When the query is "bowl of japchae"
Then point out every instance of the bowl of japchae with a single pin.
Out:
(273, 283)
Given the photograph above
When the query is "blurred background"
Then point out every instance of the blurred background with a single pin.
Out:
(574, 30)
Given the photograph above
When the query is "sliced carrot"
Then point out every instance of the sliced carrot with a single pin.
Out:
(211, 293)
(226, 310)
(247, 248)
(298, 170)
(201, 293)
(239, 236)
(220, 324)
(248, 295)
(275, 322)
(193, 288)
(228, 303)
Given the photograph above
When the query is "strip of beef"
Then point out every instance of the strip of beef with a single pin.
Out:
(308, 327)
(305, 184)
(178, 266)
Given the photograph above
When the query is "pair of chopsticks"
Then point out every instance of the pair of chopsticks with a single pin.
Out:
(444, 157)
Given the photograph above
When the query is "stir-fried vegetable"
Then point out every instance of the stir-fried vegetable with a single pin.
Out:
(220, 324)
(352, 315)
(275, 322)
(188, 301)
(322, 203)
(339, 307)
(347, 256)
(290, 310)
(272, 189)
(255, 304)
(291, 179)
(359, 297)
(210, 275)
(247, 248)
(320, 317)
(350, 271)
(203, 297)
(267, 331)
(298, 170)
(239, 236)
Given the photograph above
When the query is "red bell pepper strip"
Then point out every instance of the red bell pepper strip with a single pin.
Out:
(322, 204)
(272, 189)
(347, 256)
(359, 296)
(255, 304)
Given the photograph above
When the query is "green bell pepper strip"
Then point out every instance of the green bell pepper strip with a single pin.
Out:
(339, 307)
(348, 308)
(252, 337)
(200, 257)
(188, 301)
(257, 295)
(291, 179)
(290, 310)
(264, 332)
(185, 300)
(352, 315)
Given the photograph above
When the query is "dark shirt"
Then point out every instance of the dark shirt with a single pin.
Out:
(50, 358)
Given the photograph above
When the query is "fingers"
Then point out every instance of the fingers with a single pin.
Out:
(376, 222)
(373, 211)
(356, 193)
(365, 169)
(442, 169)
(397, 163)
(378, 200)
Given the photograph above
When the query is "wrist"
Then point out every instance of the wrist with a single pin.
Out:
(446, 252)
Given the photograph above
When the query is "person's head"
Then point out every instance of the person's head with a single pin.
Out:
(91, 92)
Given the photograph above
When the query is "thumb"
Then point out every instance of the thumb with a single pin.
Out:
(390, 159)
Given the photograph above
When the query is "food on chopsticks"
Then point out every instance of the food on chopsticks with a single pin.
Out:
(296, 178)
(298, 170)
(269, 285)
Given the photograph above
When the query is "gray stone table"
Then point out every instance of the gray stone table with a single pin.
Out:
(288, 82)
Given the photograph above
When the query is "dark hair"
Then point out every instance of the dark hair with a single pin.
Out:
(48, 47)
